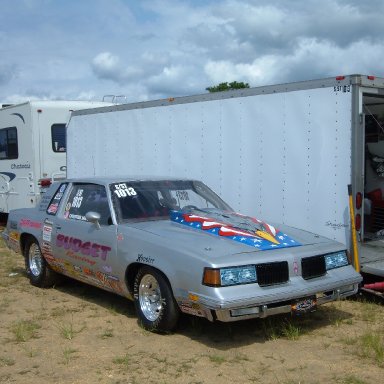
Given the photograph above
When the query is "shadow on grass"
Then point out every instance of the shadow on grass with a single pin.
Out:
(218, 335)
(108, 300)
(237, 334)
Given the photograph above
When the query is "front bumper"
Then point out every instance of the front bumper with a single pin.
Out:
(261, 311)
(250, 301)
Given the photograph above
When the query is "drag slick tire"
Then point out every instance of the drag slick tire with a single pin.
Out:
(38, 271)
(155, 305)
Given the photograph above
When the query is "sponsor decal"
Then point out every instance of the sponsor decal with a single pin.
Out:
(267, 238)
(88, 271)
(191, 309)
(13, 241)
(86, 248)
(73, 255)
(144, 259)
(55, 263)
(47, 233)
(74, 217)
(107, 268)
(26, 223)
(14, 236)
(47, 249)
(52, 209)
(109, 282)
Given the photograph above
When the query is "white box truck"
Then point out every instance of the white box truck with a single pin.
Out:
(286, 153)
(33, 149)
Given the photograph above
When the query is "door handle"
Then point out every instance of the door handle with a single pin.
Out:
(58, 226)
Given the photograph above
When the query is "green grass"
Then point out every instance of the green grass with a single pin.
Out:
(67, 330)
(68, 354)
(6, 362)
(217, 359)
(372, 345)
(125, 360)
(25, 330)
(107, 334)
(290, 330)
(352, 380)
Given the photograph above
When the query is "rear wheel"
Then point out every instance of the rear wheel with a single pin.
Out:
(38, 271)
(155, 305)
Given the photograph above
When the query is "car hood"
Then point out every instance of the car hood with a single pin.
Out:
(227, 232)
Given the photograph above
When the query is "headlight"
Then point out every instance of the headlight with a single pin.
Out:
(336, 260)
(223, 277)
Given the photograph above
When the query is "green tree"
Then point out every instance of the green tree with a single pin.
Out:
(227, 86)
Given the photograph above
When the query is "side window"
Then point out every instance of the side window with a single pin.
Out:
(59, 137)
(88, 197)
(53, 206)
(8, 144)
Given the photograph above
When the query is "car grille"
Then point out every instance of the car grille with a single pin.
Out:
(313, 267)
(272, 273)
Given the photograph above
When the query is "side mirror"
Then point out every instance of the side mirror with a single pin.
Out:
(93, 217)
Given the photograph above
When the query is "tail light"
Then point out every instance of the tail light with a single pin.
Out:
(358, 222)
(45, 183)
(359, 200)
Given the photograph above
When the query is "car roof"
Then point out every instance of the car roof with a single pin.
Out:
(119, 179)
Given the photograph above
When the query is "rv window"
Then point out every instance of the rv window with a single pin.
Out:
(8, 144)
(58, 138)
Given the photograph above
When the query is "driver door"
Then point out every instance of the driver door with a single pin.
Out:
(85, 250)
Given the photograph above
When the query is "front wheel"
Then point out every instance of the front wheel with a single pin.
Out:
(155, 305)
(38, 271)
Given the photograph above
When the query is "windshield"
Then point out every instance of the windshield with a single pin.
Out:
(155, 199)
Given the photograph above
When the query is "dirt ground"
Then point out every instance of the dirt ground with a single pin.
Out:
(75, 333)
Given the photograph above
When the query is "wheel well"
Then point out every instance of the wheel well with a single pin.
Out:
(132, 270)
(23, 241)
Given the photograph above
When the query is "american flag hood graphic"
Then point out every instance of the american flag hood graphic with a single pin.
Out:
(237, 227)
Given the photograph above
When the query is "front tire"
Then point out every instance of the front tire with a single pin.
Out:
(155, 305)
(38, 271)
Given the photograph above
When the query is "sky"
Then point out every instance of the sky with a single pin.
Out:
(153, 49)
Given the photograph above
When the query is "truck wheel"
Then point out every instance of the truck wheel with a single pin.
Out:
(38, 271)
(155, 305)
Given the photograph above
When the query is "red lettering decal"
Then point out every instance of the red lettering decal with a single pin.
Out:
(59, 240)
(67, 242)
(104, 251)
(76, 245)
(94, 251)
(85, 248)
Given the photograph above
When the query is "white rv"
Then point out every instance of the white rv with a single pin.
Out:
(285, 153)
(33, 149)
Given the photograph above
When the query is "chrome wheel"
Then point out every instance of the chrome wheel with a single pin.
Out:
(150, 299)
(35, 260)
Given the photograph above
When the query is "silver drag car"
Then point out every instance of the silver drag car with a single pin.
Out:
(174, 246)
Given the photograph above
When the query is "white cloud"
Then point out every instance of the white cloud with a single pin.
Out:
(156, 48)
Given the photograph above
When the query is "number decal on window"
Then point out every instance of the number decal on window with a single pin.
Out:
(121, 190)
(182, 195)
(78, 199)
